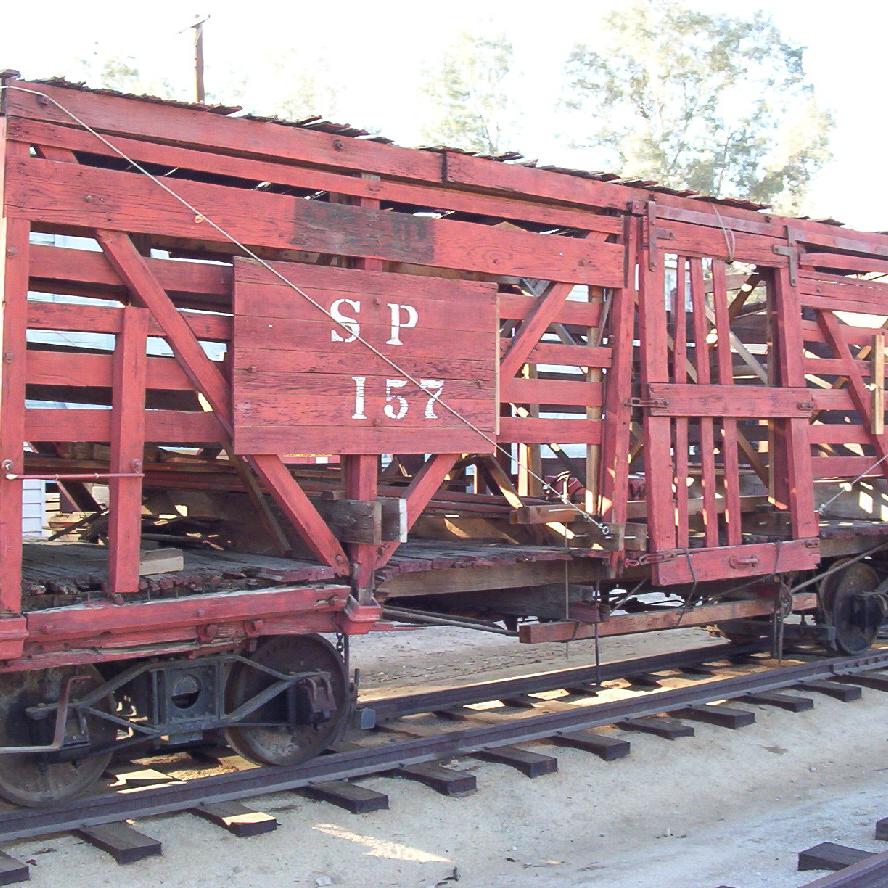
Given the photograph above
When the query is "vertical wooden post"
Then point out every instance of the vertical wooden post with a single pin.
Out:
(878, 381)
(701, 365)
(592, 499)
(615, 433)
(680, 376)
(14, 234)
(361, 473)
(655, 368)
(730, 454)
(127, 451)
(530, 461)
(14, 237)
(794, 432)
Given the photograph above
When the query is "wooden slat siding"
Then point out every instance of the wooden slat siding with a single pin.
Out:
(79, 369)
(94, 425)
(533, 430)
(571, 355)
(615, 431)
(550, 391)
(833, 366)
(860, 395)
(208, 379)
(657, 429)
(536, 323)
(845, 467)
(679, 376)
(422, 488)
(852, 335)
(186, 126)
(699, 241)
(436, 197)
(196, 281)
(818, 283)
(514, 307)
(838, 433)
(203, 373)
(707, 435)
(860, 302)
(128, 202)
(732, 401)
(794, 437)
(92, 319)
(127, 450)
(859, 264)
(14, 235)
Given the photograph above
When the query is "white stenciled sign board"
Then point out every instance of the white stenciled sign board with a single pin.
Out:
(371, 362)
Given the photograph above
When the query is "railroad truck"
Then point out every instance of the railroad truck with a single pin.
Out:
(294, 383)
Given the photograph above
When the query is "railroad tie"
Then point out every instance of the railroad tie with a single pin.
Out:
(121, 841)
(830, 856)
(659, 726)
(789, 702)
(353, 797)
(447, 781)
(844, 692)
(602, 745)
(531, 764)
(238, 819)
(878, 681)
(12, 870)
(721, 716)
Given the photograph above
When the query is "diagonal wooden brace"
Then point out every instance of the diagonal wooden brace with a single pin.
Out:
(209, 379)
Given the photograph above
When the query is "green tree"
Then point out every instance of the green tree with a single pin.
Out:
(717, 104)
(472, 105)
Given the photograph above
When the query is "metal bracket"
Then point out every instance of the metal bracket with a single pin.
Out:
(653, 234)
(647, 403)
(791, 251)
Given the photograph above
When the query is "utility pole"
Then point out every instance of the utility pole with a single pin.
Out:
(199, 59)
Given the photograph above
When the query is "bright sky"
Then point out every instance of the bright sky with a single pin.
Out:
(375, 53)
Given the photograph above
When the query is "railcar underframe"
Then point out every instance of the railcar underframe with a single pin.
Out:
(352, 381)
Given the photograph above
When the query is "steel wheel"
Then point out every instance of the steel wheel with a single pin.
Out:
(286, 745)
(852, 607)
(35, 779)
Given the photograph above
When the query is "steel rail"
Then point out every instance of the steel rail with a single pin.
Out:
(869, 873)
(111, 808)
(387, 708)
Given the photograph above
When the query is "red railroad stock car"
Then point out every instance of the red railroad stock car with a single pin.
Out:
(292, 381)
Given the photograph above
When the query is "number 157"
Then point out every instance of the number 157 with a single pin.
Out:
(396, 405)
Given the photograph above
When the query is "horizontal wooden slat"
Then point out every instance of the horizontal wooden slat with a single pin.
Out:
(852, 335)
(752, 401)
(327, 439)
(92, 319)
(314, 179)
(551, 391)
(845, 466)
(570, 355)
(859, 264)
(161, 426)
(838, 433)
(860, 301)
(70, 368)
(697, 240)
(833, 366)
(52, 192)
(61, 265)
(516, 308)
(531, 430)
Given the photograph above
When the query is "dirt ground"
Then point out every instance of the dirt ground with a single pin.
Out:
(722, 808)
